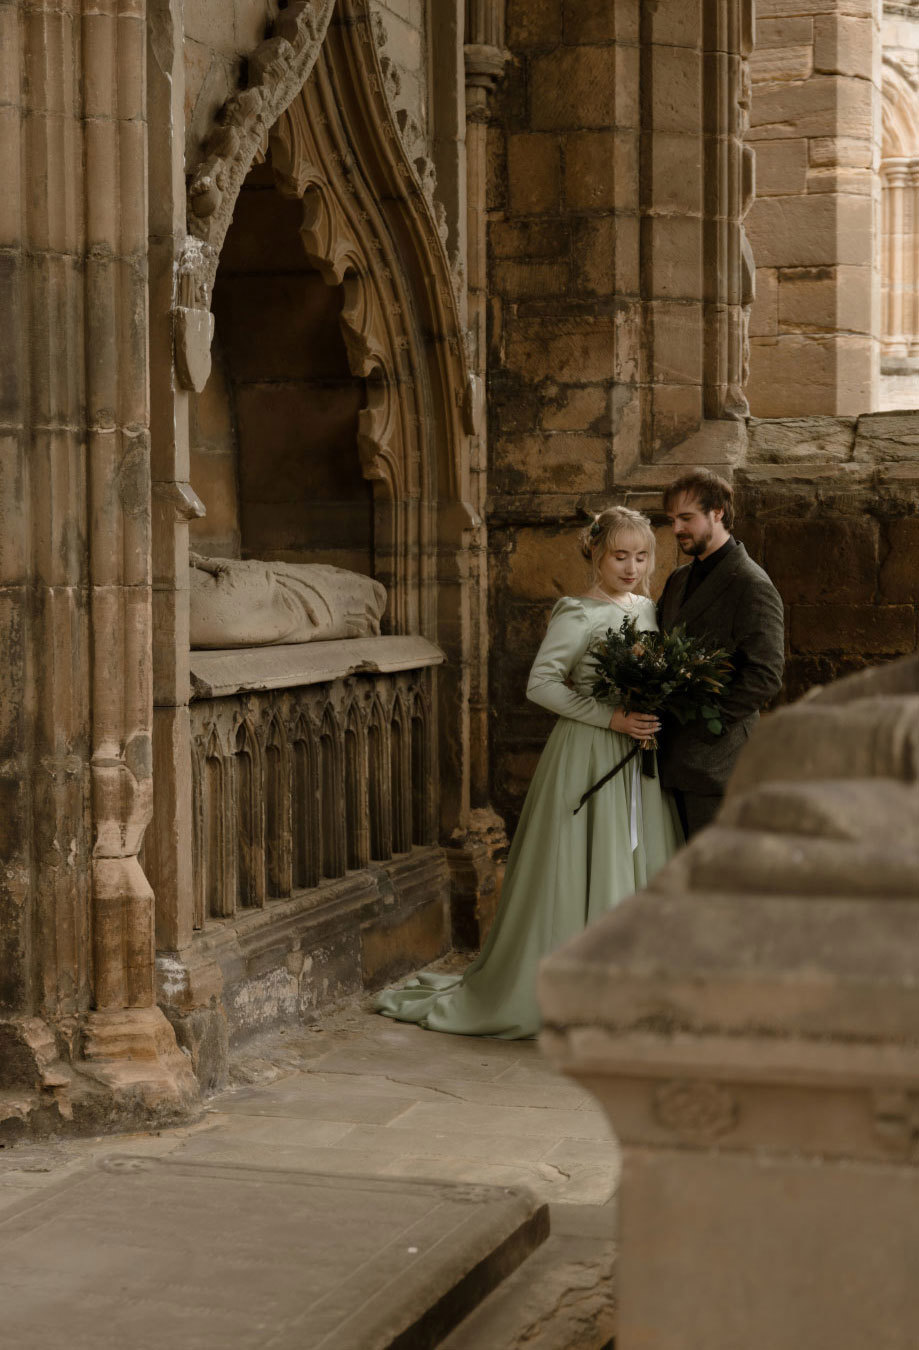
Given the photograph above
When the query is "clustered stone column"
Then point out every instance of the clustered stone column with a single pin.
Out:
(900, 263)
(76, 555)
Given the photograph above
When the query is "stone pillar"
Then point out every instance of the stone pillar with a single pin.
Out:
(750, 1024)
(75, 232)
(474, 844)
(815, 127)
(895, 178)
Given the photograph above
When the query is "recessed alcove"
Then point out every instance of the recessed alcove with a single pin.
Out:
(274, 434)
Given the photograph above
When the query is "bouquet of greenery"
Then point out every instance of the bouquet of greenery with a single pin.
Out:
(669, 673)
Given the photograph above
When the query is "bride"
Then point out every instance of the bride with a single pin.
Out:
(565, 869)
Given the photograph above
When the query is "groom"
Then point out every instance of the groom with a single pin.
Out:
(722, 595)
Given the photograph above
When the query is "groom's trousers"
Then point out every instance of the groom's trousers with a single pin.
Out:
(695, 810)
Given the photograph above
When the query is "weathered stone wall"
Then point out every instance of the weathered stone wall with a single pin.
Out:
(617, 189)
(563, 301)
(830, 507)
(815, 127)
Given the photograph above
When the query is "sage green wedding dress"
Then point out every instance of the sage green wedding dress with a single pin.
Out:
(564, 870)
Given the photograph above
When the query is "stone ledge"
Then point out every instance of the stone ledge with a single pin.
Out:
(220, 674)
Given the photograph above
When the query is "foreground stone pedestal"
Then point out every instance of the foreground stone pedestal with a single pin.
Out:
(751, 1025)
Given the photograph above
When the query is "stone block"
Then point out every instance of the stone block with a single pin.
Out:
(781, 168)
(799, 375)
(676, 412)
(794, 31)
(212, 24)
(794, 440)
(578, 409)
(531, 279)
(628, 255)
(676, 342)
(534, 23)
(847, 152)
(676, 172)
(557, 462)
(390, 949)
(572, 88)
(595, 241)
(888, 437)
(850, 182)
(811, 231)
(601, 171)
(844, 46)
(672, 258)
(900, 570)
(534, 173)
(792, 376)
(170, 648)
(561, 350)
(783, 9)
(213, 477)
(771, 65)
(602, 21)
(627, 110)
(873, 630)
(856, 378)
(764, 312)
(824, 105)
(544, 564)
(813, 562)
(828, 298)
(528, 239)
(676, 23)
(676, 88)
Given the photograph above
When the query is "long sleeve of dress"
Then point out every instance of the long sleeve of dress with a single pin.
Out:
(566, 642)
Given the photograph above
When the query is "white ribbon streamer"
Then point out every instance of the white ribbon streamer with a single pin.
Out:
(635, 816)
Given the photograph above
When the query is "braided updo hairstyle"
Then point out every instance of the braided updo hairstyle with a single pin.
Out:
(601, 536)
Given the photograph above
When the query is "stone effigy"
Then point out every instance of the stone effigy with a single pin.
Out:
(751, 1024)
(257, 604)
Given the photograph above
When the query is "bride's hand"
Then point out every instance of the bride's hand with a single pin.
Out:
(640, 726)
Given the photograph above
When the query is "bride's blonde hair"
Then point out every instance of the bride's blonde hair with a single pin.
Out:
(602, 535)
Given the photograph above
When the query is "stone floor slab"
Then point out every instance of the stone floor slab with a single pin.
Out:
(252, 1257)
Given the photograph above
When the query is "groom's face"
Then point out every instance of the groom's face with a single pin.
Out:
(694, 528)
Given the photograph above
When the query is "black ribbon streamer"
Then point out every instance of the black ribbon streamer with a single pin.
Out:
(607, 777)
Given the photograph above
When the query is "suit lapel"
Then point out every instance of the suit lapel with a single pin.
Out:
(711, 587)
(673, 599)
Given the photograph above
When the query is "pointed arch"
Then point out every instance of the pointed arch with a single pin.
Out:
(250, 826)
(277, 811)
(379, 777)
(304, 766)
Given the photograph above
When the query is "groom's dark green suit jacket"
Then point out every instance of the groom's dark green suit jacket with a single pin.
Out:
(737, 607)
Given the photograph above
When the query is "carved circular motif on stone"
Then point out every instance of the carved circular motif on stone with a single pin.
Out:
(697, 1111)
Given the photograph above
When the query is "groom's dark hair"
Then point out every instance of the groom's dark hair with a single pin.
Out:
(709, 490)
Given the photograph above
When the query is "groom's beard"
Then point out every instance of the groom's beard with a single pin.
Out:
(695, 547)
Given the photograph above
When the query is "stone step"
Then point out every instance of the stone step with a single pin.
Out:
(561, 1298)
(150, 1252)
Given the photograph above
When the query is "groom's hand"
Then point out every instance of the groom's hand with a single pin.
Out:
(640, 726)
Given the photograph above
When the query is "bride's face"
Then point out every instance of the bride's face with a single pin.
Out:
(623, 566)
